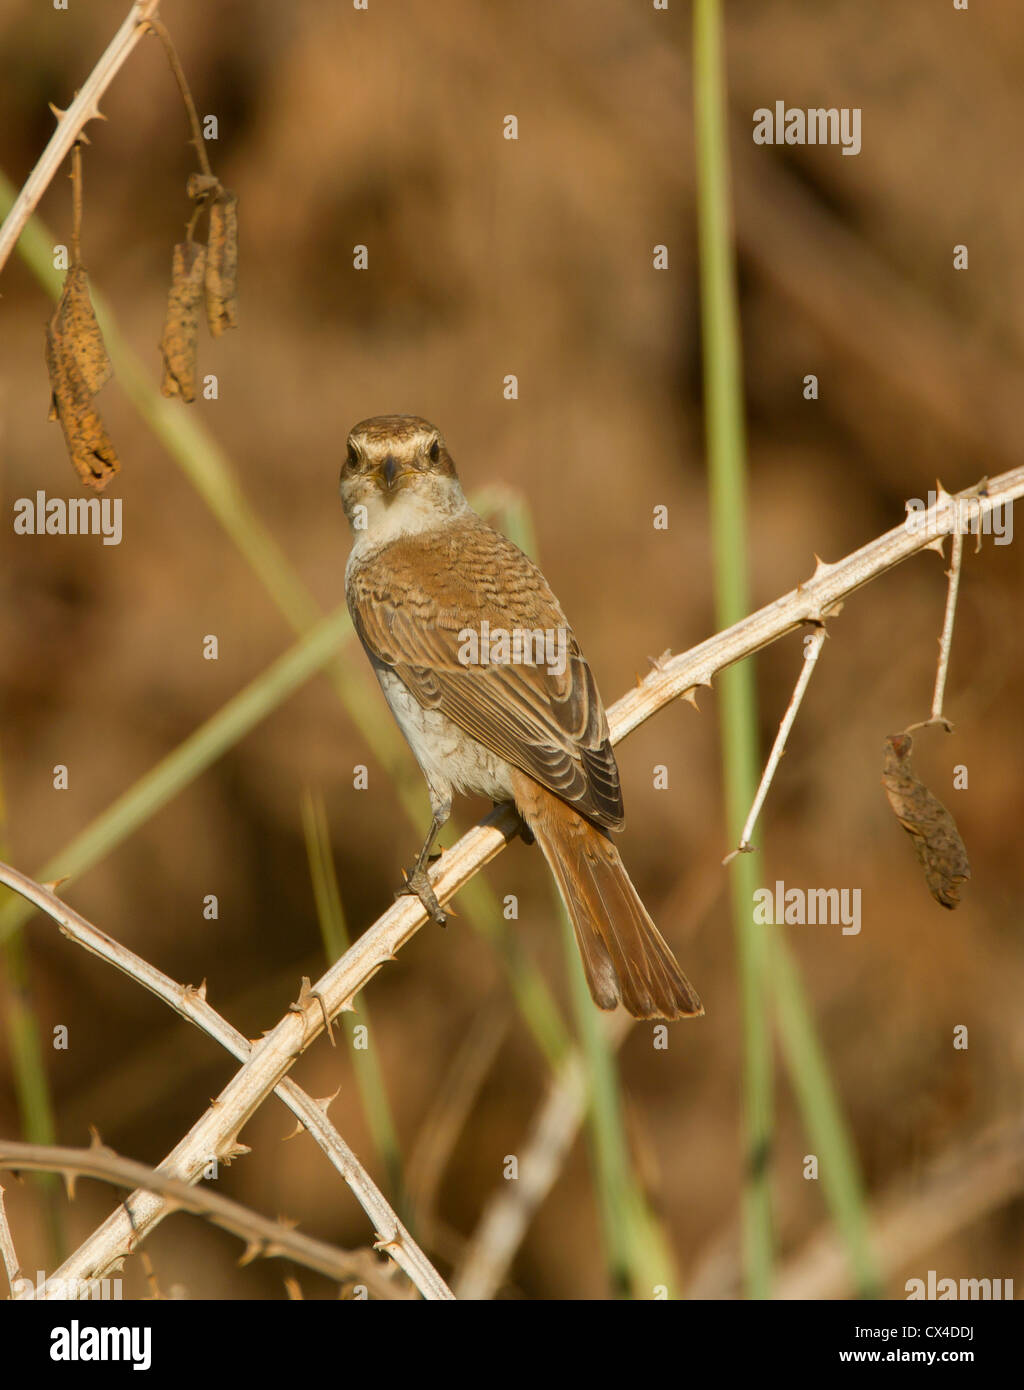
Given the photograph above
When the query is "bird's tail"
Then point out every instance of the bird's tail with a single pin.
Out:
(625, 957)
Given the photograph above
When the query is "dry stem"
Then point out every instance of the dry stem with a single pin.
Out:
(813, 651)
(946, 640)
(263, 1237)
(84, 108)
(160, 30)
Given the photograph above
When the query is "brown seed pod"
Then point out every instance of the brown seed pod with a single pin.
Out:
(87, 442)
(937, 841)
(181, 326)
(222, 264)
(76, 321)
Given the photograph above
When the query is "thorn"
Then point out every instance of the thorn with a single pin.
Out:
(324, 1103)
(236, 1150)
(659, 662)
(305, 991)
(69, 1184)
(95, 1142)
(936, 544)
(251, 1252)
(58, 113)
(51, 885)
(690, 696)
(194, 992)
(300, 1128)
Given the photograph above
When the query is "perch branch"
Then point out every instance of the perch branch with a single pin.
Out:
(263, 1237)
(83, 109)
(816, 600)
(191, 1004)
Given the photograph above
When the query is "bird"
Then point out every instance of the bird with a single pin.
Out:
(489, 686)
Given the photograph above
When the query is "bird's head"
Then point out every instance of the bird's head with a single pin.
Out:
(397, 464)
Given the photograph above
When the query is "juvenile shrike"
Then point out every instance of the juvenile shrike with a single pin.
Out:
(453, 617)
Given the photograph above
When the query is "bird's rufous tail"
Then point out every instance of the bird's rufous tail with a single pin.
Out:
(625, 957)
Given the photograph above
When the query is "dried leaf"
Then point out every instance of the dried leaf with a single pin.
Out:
(222, 265)
(75, 322)
(181, 326)
(937, 841)
(87, 442)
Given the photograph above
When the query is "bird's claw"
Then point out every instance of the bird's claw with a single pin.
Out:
(417, 885)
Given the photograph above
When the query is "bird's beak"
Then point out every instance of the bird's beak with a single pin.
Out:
(391, 472)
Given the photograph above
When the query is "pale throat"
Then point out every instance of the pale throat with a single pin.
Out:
(431, 504)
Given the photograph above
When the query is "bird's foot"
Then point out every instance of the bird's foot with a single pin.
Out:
(417, 885)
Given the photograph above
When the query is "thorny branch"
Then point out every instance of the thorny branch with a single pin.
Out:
(263, 1237)
(191, 1004)
(83, 109)
(814, 601)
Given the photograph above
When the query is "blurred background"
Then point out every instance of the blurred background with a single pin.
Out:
(489, 257)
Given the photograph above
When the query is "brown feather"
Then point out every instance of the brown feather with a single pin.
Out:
(625, 958)
(410, 600)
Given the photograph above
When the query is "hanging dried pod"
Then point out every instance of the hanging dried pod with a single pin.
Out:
(222, 264)
(181, 326)
(76, 321)
(937, 842)
(87, 442)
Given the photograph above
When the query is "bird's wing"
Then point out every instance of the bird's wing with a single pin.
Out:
(413, 602)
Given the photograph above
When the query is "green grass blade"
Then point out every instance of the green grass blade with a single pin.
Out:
(723, 408)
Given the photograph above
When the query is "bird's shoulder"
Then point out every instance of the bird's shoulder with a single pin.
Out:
(464, 569)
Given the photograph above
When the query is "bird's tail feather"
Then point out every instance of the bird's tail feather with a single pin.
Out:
(625, 957)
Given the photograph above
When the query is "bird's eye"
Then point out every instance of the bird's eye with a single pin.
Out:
(434, 452)
(353, 456)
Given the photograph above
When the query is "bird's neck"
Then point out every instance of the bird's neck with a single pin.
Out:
(415, 510)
